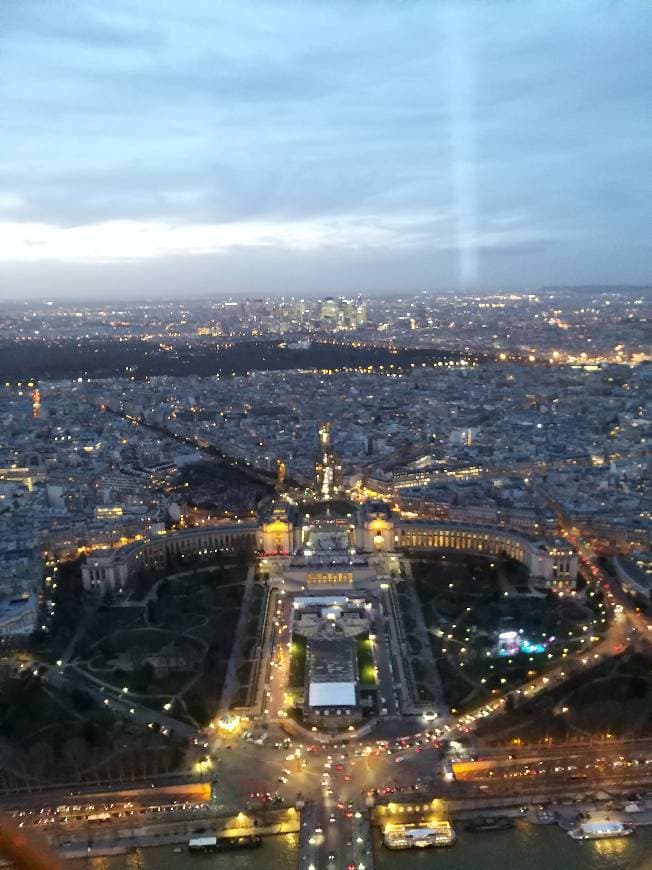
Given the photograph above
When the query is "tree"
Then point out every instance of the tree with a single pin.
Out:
(143, 677)
(81, 700)
(41, 758)
(639, 687)
(75, 752)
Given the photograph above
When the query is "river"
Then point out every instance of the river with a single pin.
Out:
(279, 853)
(526, 847)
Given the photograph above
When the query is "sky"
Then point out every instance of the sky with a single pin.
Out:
(153, 147)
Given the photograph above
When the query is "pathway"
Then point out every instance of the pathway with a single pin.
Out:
(231, 682)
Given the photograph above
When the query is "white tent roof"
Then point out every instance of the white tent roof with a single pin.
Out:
(331, 695)
(328, 600)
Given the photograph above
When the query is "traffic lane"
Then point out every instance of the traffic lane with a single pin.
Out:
(337, 852)
(569, 768)
(382, 659)
(310, 839)
(240, 772)
(387, 682)
(249, 768)
(552, 751)
(190, 793)
(521, 789)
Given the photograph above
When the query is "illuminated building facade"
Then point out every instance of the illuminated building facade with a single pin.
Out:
(114, 569)
(372, 529)
(276, 533)
(553, 561)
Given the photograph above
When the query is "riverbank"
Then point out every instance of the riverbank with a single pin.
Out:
(279, 852)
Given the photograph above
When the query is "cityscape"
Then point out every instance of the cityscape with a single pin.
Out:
(326, 445)
(358, 607)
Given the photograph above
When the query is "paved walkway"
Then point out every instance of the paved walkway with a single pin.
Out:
(231, 682)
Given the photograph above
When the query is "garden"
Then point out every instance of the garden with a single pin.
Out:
(172, 647)
(489, 630)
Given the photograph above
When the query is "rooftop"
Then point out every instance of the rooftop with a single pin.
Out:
(331, 661)
(336, 694)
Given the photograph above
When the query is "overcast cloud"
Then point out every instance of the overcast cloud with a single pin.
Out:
(292, 147)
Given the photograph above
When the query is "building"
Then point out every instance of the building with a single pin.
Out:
(330, 626)
(331, 699)
(372, 529)
(114, 569)
(552, 561)
(635, 574)
(276, 531)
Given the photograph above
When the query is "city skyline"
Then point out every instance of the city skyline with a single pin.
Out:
(326, 413)
(299, 149)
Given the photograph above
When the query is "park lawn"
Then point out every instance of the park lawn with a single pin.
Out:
(613, 697)
(465, 600)
(298, 652)
(366, 665)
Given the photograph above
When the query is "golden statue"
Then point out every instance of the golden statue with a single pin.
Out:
(280, 473)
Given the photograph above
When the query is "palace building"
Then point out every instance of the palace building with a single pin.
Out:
(328, 539)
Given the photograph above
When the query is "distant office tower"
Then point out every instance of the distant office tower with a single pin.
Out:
(328, 311)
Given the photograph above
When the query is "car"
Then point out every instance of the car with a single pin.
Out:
(332, 820)
(339, 767)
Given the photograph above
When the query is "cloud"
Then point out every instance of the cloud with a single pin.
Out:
(133, 132)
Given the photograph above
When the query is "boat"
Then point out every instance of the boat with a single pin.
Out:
(222, 844)
(419, 836)
(489, 823)
(600, 830)
(542, 816)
